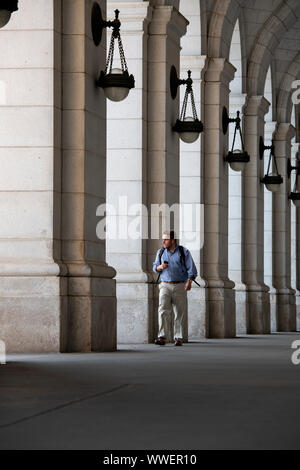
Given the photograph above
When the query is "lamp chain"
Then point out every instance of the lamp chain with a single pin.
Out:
(237, 121)
(193, 105)
(274, 160)
(110, 57)
(269, 163)
(122, 54)
(188, 91)
(184, 105)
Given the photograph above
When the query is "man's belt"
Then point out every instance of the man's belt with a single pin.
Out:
(173, 282)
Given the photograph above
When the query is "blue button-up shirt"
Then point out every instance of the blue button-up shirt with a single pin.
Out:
(176, 270)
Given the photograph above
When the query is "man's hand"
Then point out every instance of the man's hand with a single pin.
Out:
(162, 266)
(188, 284)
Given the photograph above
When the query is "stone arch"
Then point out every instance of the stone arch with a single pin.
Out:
(241, 22)
(270, 93)
(222, 23)
(237, 56)
(196, 12)
(284, 101)
(267, 41)
(191, 41)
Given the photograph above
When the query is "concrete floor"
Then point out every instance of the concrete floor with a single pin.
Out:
(241, 393)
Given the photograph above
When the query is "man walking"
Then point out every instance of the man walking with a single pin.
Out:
(177, 271)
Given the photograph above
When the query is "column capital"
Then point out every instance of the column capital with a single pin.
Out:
(285, 132)
(136, 15)
(90, 269)
(196, 64)
(256, 106)
(219, 70)
(166, 20)
(270, 126)
(237, 99)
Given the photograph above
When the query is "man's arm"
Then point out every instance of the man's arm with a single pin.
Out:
(158, 267)
(190, 265)
(191, 269)
(156, 262)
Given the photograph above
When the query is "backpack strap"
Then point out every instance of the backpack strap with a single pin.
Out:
(159, 257)
(182, 255)
(160, 254)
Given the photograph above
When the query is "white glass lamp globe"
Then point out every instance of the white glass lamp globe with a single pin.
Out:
(273, 187)
(238, 166)
(114, 93)
(4, 17)
(189, 137)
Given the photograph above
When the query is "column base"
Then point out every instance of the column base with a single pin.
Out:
(92, 317)
(258, 306)
(285, 310)
(34, 314)
(43, 309)
(293, 311)
(136, 320)
(241, 306)
(221, 309)
(273, 312)
(298, 310)
(197, 312)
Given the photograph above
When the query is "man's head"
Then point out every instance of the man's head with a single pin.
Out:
(168, 239)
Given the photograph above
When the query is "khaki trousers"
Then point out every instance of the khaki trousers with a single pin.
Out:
(171, 295)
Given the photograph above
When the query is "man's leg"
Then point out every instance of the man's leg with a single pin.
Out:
(164, 309)
(179, 300)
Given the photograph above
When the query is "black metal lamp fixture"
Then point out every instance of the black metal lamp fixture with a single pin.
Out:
(6, 9)
(187, 127)
(116, 82)
(271, 180)
(237, 158)
(294, 195)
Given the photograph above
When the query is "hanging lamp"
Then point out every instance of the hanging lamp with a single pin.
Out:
(116, 82)
(272, 180)
(6, 9)
(237, 158)
(188, 127)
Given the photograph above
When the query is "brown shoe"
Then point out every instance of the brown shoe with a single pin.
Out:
(161, 341)
(178, 342)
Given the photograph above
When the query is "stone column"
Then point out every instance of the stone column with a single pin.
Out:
(191, 199)
(285, 295)
(33, 289)
(127, 180)
(253, 219)
(294, 260)
(91, 289)
(298, 256)
(220, 295)
(165, 30)
(236, 101)
(270, 127)
(191, 167)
